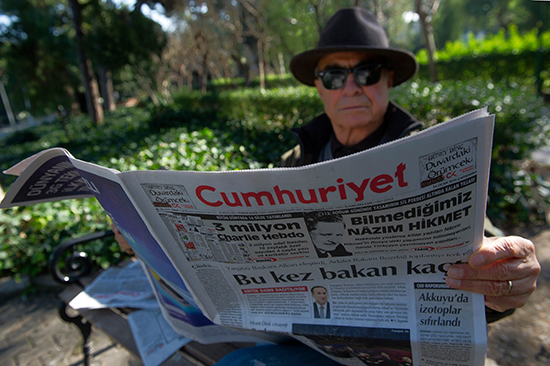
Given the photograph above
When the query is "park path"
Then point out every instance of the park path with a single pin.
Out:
(32, 334)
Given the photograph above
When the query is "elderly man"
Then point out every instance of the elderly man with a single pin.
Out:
(358, 115)
(353, 69)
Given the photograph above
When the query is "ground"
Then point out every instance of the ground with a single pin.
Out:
(523, 339)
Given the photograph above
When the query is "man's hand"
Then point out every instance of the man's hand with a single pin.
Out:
(123, 244)
(504, 269)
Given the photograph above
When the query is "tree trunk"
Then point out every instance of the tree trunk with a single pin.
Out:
(7, 104)
(190, 81)
(282, 69)
(88, 77)
(261, 64)
(106, 87)
(204, 74)
(427, 30)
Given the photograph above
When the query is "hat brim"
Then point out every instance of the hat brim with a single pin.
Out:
(402, 62)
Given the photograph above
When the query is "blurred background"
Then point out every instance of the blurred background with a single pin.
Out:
(204, 85)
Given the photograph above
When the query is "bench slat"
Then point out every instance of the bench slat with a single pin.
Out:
(209, 354)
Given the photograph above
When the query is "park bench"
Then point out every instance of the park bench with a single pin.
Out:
(76, 274)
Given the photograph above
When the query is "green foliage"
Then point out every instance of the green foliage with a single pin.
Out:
(505, 42)
(258, 120)
(28, 234)
(522, 126)
(120, 37)
(507, 55)
(123, 134)
(272, 81)
(130, 140)
(39, 63)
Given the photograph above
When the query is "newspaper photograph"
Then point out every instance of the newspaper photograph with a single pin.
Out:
(349, 256)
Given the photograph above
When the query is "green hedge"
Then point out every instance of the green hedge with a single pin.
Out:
(522, 125)
(506, 55)
(506, 41)
(513, 68)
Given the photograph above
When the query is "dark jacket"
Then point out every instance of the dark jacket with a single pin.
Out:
(313, 136)
(316, 310)
(339, 251)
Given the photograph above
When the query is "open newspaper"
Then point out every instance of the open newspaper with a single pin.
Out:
(349, 255)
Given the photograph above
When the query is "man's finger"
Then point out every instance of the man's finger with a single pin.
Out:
(511, 269)
(495, 289)
(495, 249)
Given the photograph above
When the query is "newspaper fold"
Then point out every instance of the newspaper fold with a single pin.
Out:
(348, 255)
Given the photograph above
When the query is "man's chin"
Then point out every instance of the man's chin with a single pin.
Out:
(356, 118)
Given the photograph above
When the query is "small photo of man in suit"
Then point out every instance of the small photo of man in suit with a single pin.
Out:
(321, 306)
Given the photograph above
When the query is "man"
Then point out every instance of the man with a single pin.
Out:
(353, 69)
(358, 112)
(359, 116)
(321, 306)
(326, 232)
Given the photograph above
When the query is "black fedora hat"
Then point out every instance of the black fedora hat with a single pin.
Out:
(354, 30)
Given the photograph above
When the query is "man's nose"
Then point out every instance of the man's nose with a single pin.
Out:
(351, 87)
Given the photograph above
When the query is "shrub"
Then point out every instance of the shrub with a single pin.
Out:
(522, 125)
(28, 234)
(506, 55)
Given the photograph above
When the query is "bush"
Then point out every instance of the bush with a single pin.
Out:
(29, 234)
(131, 139)
(506, 55)
(271, 81)
(522, 125)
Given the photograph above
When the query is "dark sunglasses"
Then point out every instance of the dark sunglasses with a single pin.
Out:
(365, 74)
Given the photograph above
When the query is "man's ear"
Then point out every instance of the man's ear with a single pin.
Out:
(319, 89)
(390, 79)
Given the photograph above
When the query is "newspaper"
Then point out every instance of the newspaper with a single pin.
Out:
(129, 287)
(187, 320)
(117, 288)
(155, 339)
(158, 331)
(367, 237)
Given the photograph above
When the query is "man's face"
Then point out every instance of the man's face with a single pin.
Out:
(320, 295)
(328, 235)
(355, 111)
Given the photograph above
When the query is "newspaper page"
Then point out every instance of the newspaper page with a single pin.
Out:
(129, 287)
(186, 320)
(117, 288)
(155, 339)
(348, 255)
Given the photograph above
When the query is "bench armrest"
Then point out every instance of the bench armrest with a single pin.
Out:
(77, 263)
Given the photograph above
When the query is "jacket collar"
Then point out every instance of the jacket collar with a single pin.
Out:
(313, 136)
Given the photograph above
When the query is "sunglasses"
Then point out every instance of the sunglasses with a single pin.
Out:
(365, 74)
